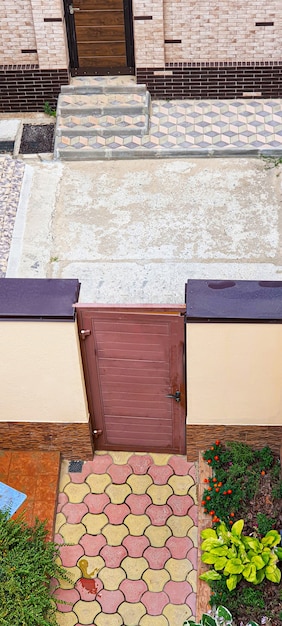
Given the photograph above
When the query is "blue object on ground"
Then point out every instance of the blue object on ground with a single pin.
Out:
(10, 499)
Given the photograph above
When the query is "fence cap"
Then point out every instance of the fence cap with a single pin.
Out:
(38, 298)
(233, 300)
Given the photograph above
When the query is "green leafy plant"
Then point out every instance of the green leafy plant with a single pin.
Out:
(253, 598)
(217, 617)
(277, 490)
(48, 109)
(238, 556)
(265, 523)
(27, 564)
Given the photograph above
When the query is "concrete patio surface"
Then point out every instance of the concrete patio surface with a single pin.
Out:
(135, 231)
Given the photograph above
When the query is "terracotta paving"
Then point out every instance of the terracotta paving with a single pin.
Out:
(127, 524)
(37, 475)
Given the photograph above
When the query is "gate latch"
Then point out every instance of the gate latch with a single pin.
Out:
(97, 433)
(85, 333)
(176, 396)
(72, 9)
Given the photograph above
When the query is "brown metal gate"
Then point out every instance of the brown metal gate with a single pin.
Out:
(133, 364)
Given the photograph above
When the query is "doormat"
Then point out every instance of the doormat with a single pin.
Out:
(10, 499)
(37, 138)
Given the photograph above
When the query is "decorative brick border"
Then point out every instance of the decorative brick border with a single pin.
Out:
(213, 80)
(26, 88)
(204, 521)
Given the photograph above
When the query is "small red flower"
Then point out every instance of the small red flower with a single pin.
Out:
(208, 497)
(203, 502)
(229, 491)
(209, 460)
(216, 458)
(219, 484)
(232, 514)
(212, 448)
(206, 480)
(217, 442)
(224, 493)
(214, 480)
(209, 489)
(211, 513)
(262, 472)
(217, 490)
(230, 521)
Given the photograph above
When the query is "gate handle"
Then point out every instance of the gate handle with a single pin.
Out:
(175, 396)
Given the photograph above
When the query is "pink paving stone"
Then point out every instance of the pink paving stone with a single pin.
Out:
(138, 504)
(193, 513)
(133, 589)
(158, 514)
(177, 591)
(135, 546)
(68, 595)
(192, 556)
(160, 473)
(155, 602)
(116, 512)
(70, 555)
(79, 477)
(100, 463)
(113, 555)
(74, 512)
(86, 593)
(180, 504)
(191, 601)
(179, 464)
(96, 502)
(156, 557)
(179, 546)
(119, 473)
(92, 544)
(110, 600)
(62, 499)
(140, 464)
(58, 538)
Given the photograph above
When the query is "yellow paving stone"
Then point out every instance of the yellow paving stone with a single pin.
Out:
(66, 619)
(193, 534)
(131, 612)
(181, 484)
(60, 520)
(76, 492)
(72, 533)
(108, 619)
(112, 577)
(180, 525)
(137, 524)
(98, 482)
(192, 579)
(177, 613)
(74, 573)
(139, 484)
(158, 535)
(94, 564)
(178, 569)
(86, 611)
(160, 459)
(193, 493)
(153, 620)
(115, 534)
(118, 493)
(120, 458)
(134, 567)
(64, 476)
(156, 579)
(159, 493)
(94, 522)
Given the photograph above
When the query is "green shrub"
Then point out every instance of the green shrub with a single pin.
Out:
(277, 490)
(265, 523)
(27, 564)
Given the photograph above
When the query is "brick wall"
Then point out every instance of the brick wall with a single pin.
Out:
(33, 54)
(209, 50)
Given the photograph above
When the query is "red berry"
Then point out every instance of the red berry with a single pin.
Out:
(216, 458)
(224, 493)
(206, 480)
(209, 460)
(209, 489)
(217, 442)
(214, 480)
(217, 490)
(219, 484)
(232, 514)
(230, 521)
(211, 513)
(212, 448)
(229, 491)
(263, 473)
(208, 497)
(203, 502)
(214, 519)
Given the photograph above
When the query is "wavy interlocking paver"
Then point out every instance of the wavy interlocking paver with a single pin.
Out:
(133, 520)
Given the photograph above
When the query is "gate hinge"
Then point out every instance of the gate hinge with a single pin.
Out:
(85, 333)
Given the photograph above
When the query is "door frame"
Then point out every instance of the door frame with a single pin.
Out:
(75, 70)
(165, 309)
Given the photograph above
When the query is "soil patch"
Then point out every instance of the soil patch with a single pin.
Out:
(37, 138)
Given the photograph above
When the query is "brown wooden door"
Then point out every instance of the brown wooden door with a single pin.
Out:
(100, 33)
(133, 359)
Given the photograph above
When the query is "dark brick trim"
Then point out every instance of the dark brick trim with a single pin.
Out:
(214, 81)
(27, 88)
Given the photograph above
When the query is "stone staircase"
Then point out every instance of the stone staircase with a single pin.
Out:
(97, 114)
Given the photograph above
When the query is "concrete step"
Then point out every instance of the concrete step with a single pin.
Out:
(101, 103)
(105, 125)
(90, 85)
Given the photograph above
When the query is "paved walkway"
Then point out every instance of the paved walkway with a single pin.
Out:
(131, 524)
(180, 128)
(11, 175)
